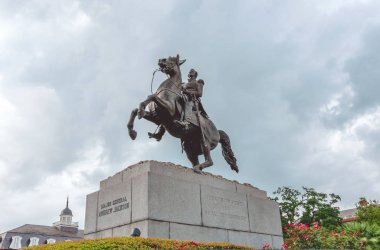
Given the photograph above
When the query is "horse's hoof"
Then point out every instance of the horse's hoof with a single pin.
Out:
(132, 134)
(197, 170)
(140, 113)
(155, 136)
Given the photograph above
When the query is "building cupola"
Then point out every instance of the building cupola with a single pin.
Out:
(65, 222)
(67, 211)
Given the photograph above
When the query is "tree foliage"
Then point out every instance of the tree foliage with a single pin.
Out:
(368, 211)
(289, 204)
(307, 206)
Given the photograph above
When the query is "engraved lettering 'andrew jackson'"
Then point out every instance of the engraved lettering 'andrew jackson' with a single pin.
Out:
(118, 205)
(225, 215)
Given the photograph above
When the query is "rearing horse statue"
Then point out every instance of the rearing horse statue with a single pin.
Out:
(164, 108)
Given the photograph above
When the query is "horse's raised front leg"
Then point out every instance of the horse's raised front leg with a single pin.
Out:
(141, 111)
(131, 131)
(208, 161)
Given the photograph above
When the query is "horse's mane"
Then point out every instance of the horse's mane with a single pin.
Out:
(170, 85)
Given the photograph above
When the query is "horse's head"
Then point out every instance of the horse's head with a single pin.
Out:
(170, 65)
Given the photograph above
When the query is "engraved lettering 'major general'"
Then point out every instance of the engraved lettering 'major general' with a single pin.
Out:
(226, 200)
(120, 200)
(105, 205)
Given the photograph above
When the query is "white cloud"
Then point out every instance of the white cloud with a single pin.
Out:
(27, 125)
(46, 199)
(336, 160)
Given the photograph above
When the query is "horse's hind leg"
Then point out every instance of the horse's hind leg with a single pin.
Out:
(192, 156)
(208, 161)
(131, 131)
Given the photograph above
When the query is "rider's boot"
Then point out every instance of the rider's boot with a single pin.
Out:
(159, 134)
(184, 123)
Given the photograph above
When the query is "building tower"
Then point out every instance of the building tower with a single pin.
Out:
(65, 222)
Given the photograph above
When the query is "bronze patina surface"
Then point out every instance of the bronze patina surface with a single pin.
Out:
(175, 107)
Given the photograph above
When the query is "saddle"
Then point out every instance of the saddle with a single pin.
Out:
(194, 117)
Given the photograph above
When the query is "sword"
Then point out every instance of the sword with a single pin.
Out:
(203, 144)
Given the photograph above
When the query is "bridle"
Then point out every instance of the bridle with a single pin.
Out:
(163, 89)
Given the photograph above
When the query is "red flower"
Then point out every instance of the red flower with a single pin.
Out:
(182, 246)
(285, 246)
(306, 237)
(291, 225)
(193, 243)
(266, 246)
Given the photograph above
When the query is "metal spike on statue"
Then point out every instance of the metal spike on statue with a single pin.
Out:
(176, 107)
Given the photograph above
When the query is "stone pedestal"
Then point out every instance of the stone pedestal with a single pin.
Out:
(169, 201)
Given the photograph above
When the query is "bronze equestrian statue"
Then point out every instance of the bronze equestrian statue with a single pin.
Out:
(167, 109)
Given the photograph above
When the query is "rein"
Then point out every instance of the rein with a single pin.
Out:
(163, 89)
(151, 82)
(166, 89)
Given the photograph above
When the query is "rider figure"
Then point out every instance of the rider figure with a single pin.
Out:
(192, 91)
(193, 88)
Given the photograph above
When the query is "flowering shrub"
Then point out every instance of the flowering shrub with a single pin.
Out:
(130, 243)
(369, 233)
(303, 236)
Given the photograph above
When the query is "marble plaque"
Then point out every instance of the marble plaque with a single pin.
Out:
(114, 206)
(224, 209)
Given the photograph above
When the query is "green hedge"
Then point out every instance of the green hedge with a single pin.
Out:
(129, 243)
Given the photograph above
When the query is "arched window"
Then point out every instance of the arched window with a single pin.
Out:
(33, 241)
(50, 241)
(16, 242)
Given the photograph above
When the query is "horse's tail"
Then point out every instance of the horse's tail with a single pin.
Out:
(227, 150)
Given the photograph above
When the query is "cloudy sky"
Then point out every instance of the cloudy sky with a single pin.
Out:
(294, 83)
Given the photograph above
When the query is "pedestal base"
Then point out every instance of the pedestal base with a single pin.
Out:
(168, 201)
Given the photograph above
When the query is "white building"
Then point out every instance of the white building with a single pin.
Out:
(32, 235)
